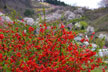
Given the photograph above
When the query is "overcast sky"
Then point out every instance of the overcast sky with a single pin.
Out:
(88, 3)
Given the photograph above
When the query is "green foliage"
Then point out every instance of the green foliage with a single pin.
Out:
(44, 14)
(76, 20)
(97, 69)
(28, 12)
(83, 23)
(13, 14)
(5, 7)
(40, 18)
(100, 42)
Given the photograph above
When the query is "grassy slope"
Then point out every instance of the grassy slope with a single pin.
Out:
(98, 18)
(101, 23)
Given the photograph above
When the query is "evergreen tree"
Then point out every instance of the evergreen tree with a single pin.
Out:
(56, 2)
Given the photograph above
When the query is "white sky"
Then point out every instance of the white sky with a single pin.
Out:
(88, 3)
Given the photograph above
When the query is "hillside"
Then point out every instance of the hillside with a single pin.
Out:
(19, 5)
(98, 18)
(96, 13)
(101, 23)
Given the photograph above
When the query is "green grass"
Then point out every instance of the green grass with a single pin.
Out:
(99, 69)
(101, 19)
(101, 23)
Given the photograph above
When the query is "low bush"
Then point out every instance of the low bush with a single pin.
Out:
(28, 12)
(52, 50)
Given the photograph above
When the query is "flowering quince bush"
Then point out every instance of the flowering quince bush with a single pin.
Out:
(52, 50)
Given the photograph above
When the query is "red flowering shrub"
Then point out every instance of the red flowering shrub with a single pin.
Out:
(52, 50)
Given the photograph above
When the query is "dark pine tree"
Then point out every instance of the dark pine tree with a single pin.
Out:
(56, 2)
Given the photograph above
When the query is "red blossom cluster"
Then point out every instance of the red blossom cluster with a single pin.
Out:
(49, 51)
(1, 36)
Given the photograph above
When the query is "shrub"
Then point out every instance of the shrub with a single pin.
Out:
(28, 12)
(52, 50)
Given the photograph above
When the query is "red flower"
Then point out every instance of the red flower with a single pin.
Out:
(22, 20)
(40, 25)
(31, 29)
(0, 18)
(71, 36)
(62, 26)
(14, 22)
(1, 30)
(82, 40)
(87, 40)
(91, 37)
(1, 36)
(106, 67)
(103, 70)
(0, 56)
(41, 30)
(18, 54)
(93, 33)
(16, 28)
